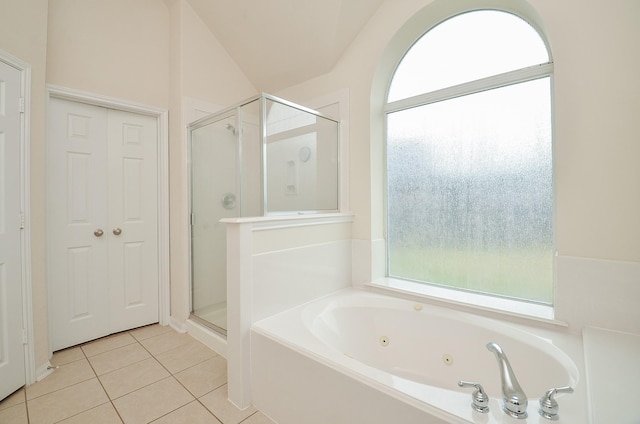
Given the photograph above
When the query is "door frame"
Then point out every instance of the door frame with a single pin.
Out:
(162, 117)
(25, 206)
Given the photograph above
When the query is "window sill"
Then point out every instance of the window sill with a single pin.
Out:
(468, 300)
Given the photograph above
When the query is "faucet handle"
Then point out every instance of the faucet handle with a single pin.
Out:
(480, 398)
(548, 405)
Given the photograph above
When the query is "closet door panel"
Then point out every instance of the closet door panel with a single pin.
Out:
(77, 263)
(133, 220)
(102, 266)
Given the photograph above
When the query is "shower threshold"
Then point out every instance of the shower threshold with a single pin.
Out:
(213, 317)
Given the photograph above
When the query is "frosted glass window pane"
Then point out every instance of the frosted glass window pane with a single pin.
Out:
(465, 48)
(470, 192)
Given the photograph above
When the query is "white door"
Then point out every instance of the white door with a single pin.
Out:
(76, 222)
(12, 365)
(101, 221)
(133, 220)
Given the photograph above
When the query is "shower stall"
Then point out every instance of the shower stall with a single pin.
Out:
(264, 156)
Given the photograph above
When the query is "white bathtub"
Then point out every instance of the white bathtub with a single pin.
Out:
(359, 357)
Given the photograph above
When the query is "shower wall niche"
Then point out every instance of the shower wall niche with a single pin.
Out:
(264, 156)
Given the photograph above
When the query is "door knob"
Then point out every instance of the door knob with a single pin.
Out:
(117, 231)
(98, 233)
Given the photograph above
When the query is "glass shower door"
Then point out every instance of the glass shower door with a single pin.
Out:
(215, 194)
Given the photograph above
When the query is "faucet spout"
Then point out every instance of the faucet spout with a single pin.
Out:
(515, 400)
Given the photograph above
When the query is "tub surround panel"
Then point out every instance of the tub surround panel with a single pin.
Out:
(361, 267)
(599, 293)
(288, 278)
(303, 233)
(369, 261)
(613, 371)
(292, 388)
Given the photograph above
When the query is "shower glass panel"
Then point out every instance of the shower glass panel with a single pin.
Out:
(212, 198)
(265, 148)
(302, 160)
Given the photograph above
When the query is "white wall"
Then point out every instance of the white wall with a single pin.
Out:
(200, 69)
(209, 73)
(596, 104)
(150, 52)
(117, 48)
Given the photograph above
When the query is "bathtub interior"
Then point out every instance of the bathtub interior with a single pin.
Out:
(437, 347)
(412, 353)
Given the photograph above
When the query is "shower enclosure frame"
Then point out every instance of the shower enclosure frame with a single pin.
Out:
(237, 111)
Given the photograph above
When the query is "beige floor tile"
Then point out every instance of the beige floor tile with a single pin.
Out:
(185, 356)
(152, 402)
(204, 377)
(107, 343)
(103, 414)
(217, 402)
(149, 331)
(16, 414)
(64, 376)
(67, 402)
(65, 356)
(258, 418)
(164, 342)
(133, 377)
(16, 398)
(118, 358)
(192, 413)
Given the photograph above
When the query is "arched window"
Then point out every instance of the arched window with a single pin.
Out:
(469, 159)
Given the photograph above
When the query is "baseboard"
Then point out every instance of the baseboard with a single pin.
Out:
(44, 370)
(179, 326)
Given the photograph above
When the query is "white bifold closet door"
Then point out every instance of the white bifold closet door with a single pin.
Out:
(102, 221)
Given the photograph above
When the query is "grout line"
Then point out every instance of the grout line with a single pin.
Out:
(139, 388)
(101, 385)
(87, 410)
(196, 399)
(171, 374)
(208, 410)
(26, 399)
(26, 406)
(249, 417)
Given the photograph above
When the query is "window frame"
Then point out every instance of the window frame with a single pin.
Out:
(522, 75)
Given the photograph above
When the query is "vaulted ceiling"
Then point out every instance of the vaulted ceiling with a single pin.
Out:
(280, 43)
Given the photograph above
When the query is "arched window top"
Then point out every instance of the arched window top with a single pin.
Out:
(465, 48)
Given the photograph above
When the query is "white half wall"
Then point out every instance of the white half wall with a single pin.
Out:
(275, 263)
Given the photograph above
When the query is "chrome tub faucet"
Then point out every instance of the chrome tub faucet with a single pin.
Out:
(515, 400)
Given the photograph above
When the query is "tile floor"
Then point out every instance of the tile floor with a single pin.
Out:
(147, 375)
